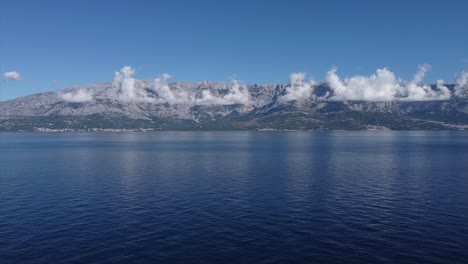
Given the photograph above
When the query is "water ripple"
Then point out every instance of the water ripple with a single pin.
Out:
(234, 197)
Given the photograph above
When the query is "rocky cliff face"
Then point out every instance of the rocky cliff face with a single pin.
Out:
(218, 106)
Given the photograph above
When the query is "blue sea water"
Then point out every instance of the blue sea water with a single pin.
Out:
(234, 197)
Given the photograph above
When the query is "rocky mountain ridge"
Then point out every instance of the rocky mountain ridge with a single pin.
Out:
(220, 106)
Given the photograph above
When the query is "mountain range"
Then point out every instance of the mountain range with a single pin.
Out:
(136, 105)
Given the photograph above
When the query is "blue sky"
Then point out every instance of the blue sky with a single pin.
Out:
(55, 44)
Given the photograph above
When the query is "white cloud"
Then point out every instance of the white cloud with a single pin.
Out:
(415, 92)
(78, 96)
(127, 88)
(125, 84)
(442, 92)
(166, 94)
(12, 75)
(124, 87)
(237, 94)
(461, 87)
(381, 86)
(299, 89)
(385, 86)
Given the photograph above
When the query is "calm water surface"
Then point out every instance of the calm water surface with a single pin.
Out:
(234, 197)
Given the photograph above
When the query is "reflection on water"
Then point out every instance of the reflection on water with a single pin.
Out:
(230, 197)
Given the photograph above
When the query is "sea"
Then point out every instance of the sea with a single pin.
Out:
(234, 197)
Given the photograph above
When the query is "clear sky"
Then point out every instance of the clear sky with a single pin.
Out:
(55, 44)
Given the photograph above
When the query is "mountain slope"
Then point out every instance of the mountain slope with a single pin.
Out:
(219, 106)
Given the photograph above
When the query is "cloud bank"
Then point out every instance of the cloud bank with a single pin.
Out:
(381, 86)
(12, 75)
(78, 96)
(237, 93)
(299, 89)
(128, 90)
(385, 86)
(167, 95)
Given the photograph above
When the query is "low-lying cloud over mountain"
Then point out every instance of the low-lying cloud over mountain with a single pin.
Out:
(80, 95)
(379, 101)
(127, 88)
(384, 85)
(300, 89)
